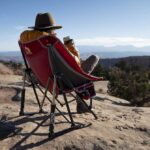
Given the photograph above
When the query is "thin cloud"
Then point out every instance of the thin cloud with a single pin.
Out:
(19, 27)
(114, 41)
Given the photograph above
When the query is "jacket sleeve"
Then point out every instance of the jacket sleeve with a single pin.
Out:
(75, 53)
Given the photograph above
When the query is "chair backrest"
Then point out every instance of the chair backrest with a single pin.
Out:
(47, 52)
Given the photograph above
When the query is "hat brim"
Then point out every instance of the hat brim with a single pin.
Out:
(48, 27)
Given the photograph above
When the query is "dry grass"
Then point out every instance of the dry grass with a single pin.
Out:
(5, 70)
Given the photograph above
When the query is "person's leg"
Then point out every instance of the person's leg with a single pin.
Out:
(89, 64)
(81, 108)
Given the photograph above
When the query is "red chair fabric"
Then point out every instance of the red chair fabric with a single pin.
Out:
(36, 55)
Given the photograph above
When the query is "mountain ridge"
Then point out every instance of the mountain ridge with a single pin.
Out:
(107, 59)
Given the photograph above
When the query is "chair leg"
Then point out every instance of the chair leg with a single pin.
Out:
(45, 93)
(28, 71)
(86, 105)
(53, 107)
(65, 98)
(22, 96)
(91, 100)
(51, 102)
(68, 108)
(52, 120)
(34, 90)
(22, 102)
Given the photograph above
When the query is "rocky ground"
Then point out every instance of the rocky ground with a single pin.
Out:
(119, 126)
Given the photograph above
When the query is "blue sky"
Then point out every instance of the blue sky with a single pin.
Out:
(89, 22)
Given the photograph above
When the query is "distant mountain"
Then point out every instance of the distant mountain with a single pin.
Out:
(113, 52)
(109, 55)
(113, 48)
(85, 51)
(141, 61)
(9, 53)
(11, 56)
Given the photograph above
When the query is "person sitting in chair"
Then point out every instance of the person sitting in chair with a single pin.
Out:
(44, 26)
(87, 65)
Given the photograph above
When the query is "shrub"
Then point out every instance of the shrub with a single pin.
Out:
(99, 71)
(129, 82)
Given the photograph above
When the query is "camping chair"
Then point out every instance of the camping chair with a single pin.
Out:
(58, 72)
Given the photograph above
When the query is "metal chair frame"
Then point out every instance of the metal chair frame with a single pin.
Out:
(57, 79)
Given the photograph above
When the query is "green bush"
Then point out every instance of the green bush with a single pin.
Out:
(130, 83)
(99, 71)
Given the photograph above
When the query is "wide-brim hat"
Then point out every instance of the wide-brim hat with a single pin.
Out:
(45, 21)
(67, 39)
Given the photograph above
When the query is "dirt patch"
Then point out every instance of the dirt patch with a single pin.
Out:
(5, 70)
(119, 126)
(6, 95)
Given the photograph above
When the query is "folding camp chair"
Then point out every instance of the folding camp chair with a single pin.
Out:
(58, 72)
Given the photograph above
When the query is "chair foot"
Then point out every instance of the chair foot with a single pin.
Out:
(50, 134)
(51, 130)
(73, 125)
(80, 125)
(21, 113)
(42, 111)
(89, 107)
